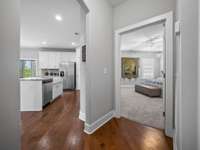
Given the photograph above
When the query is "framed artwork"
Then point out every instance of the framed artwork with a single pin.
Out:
(129, 67)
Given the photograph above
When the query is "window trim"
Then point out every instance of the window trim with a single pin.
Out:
(29, 59)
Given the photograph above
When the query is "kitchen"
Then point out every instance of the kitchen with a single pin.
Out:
(52, 68)
(50, 54)
(45, 73)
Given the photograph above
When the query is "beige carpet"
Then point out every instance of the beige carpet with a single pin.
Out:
(141, 108)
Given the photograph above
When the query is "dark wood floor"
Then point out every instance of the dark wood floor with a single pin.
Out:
(58, 128)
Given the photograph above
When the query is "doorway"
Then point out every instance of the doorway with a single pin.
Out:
(139, 87)
(142, 75)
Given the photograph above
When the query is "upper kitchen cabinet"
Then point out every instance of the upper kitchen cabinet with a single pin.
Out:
(57, 56)
(68, 56)
(43, 60)
(49, 60)
(52, 60)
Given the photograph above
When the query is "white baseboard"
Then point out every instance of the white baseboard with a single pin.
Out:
(175, 140)
(175, 146)
(117, 114)
(89, 129)
(29, 109)
(169, 132)
(82, 116)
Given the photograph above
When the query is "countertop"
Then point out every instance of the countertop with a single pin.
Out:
(35, 79)
(55, 79)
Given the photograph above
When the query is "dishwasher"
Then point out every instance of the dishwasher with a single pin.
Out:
(47, 91)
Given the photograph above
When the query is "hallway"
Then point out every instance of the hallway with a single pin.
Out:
(59, 128)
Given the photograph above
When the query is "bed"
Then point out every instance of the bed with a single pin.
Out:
(149, 87)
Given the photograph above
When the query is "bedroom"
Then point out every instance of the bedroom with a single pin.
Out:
(142, 75)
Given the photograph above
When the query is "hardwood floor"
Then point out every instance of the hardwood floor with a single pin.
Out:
(58, 128)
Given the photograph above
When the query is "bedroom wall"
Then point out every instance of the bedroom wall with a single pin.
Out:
(143, 55)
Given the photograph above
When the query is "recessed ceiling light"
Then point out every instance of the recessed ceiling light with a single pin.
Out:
(58, 17)
(73, 43)
(44, 43)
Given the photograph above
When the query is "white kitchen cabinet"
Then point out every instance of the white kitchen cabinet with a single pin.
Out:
(49, 60)
(52, 60)
(57, 90)
(57, 59)
(69, 56)
(43, 60)
(31, 95)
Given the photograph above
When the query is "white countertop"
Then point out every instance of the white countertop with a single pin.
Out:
(35, 78)
(55, 79)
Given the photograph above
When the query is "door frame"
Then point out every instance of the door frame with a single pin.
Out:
(167, 18)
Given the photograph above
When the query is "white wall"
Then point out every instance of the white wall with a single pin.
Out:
(133, 11)
(82, 85)
(9, 90)
(186, 117)
(78, 68)
(82, 69)
(100, 89)
(198, 78)
(177, 132)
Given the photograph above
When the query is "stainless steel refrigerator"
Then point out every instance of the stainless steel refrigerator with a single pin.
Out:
(68, 73)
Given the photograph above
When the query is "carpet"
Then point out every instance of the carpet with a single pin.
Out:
(141, 108)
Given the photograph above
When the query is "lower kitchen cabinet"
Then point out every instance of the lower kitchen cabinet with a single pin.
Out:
(57, 90)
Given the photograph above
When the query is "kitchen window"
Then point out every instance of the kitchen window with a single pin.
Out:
(27, 68)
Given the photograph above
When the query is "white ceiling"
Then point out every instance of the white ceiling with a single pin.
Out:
(116, 2)
(38, 23)
(145, 39)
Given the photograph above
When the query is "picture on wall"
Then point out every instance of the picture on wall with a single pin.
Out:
(129, 67)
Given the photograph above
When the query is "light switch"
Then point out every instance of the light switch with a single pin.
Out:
(105, 70)
(177, 27)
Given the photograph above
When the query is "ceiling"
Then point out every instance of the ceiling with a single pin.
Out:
(145, 39)
(116, 2)
(39, 27)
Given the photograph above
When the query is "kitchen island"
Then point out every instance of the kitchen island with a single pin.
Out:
(36, 92)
